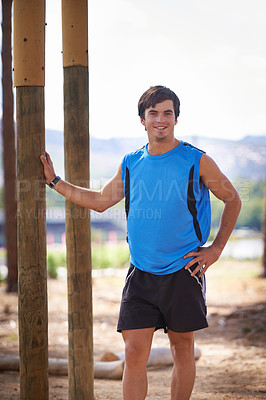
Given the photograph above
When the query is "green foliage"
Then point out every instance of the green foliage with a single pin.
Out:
(3, 253)
(216, 211)
(3, 273)
(55, 259)
(251, 215)
(249, 189)
(106, 256)
(103, 256)
(51, 266)
(13, 336)
(252, 196)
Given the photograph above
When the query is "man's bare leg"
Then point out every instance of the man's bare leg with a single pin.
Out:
(137, 350)
(184, 370)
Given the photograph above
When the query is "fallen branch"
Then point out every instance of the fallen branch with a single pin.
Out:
(59, 366)
(111, 368)
(158, 356)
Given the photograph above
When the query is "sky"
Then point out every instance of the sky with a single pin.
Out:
(211, 53)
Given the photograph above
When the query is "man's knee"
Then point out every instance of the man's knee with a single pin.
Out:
(134, 354)
(137, 348)
(182, 345)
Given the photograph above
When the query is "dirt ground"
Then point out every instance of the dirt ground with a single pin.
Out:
(232, 363)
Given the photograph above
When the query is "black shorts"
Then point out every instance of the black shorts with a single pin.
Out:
(175, 301)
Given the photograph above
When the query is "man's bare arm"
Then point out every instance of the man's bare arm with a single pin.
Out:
(99, 201)
(223, 189)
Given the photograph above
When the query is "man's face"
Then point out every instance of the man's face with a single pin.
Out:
(160, 120)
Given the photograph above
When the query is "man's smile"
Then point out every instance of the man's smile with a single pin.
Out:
(160, 127)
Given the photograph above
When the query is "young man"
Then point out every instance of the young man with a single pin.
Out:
(166, 187)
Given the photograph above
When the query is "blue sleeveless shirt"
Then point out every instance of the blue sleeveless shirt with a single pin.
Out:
(168, 209)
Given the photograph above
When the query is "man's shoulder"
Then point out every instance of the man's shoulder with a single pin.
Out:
(191, 147)
(135, 154)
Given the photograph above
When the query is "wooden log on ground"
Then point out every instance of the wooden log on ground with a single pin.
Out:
(59, 366)
(160, 356)
(108, 370)
(9, 363)
(111, 368)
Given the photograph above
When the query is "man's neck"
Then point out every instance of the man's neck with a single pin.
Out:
(161, 147)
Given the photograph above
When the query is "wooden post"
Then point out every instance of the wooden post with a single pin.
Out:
(9, 151)
(76, 139)
(29, 24)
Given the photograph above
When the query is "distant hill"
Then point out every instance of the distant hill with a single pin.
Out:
(245, 158)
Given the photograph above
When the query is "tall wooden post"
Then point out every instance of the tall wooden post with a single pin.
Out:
(29, 41)
(76, 139)
(9, 151)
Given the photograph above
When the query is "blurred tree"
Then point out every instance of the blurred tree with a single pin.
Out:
(9, 150)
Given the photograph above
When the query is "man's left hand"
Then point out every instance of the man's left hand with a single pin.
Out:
(205, 257)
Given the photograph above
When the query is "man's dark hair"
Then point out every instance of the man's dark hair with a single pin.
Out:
(157, 94)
